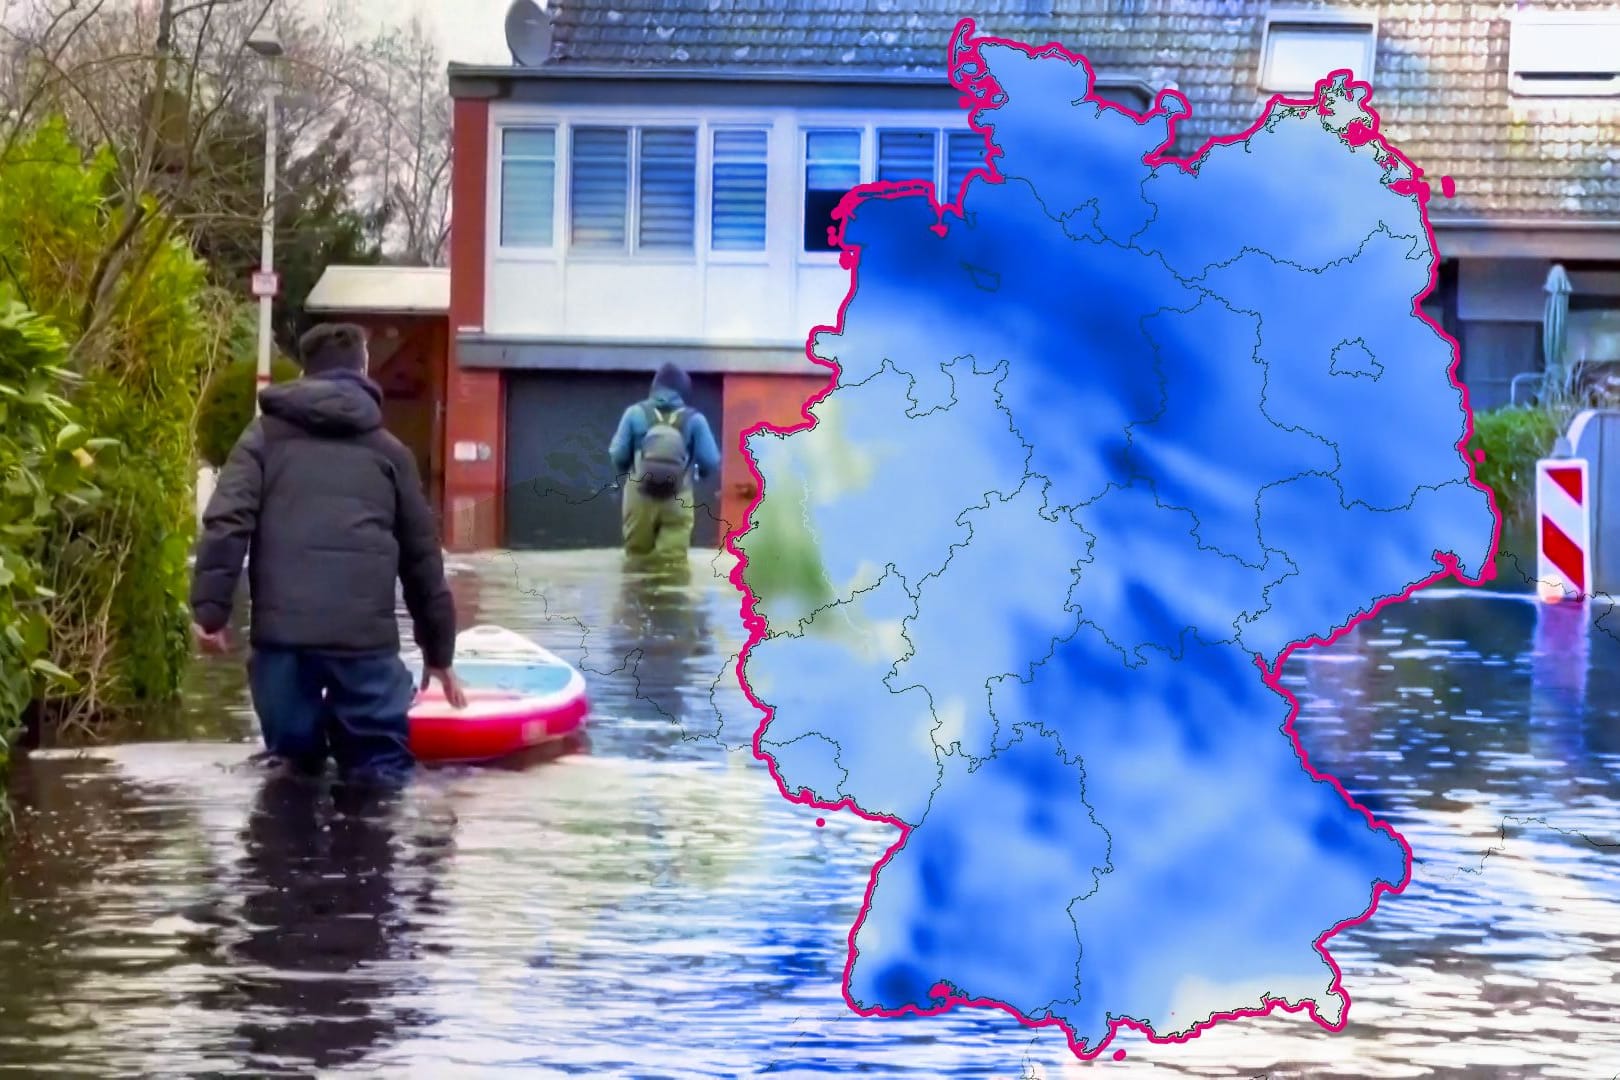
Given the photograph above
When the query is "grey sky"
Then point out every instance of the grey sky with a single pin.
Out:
(468, 30)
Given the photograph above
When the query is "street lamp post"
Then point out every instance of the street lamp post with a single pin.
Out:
(267, 45)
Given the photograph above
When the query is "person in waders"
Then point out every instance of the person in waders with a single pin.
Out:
(661, 442)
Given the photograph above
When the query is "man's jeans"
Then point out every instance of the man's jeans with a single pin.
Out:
(351, 707)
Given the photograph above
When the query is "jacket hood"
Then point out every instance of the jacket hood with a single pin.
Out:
(333, 403)
(670, 377)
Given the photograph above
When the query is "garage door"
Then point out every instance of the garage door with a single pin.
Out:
(559, 491)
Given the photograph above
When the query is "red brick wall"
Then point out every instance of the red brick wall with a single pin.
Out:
(749, 401)
(474, 413)
(474, 400)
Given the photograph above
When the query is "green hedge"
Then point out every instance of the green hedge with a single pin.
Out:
(46, 461)
(126, 295)
(1514, 439)
(227, 405)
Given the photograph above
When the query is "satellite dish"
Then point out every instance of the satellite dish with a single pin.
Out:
(528, 33)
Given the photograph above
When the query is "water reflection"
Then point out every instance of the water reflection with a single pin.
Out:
(656, 909)
(72, 852)
(323, 943)
(1560, 657)
(659, 635)
(467, 589)
(648, 635)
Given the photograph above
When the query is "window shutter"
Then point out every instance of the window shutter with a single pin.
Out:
(600, 176)
(668, 189)
(528, 187)
(907, 155)
(832, 165)
(1297, 54)
(832, 160)
(964, 152)
(737, 217)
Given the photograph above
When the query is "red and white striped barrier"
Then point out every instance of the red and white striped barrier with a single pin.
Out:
(1563, 530)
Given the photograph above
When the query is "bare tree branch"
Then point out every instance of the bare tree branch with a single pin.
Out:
(408, 135)
(165, 83)
(23, 111)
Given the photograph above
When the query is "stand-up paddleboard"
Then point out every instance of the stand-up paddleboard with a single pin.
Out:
(519, 697)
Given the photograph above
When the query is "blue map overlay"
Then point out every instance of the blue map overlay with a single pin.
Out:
(1109, 437)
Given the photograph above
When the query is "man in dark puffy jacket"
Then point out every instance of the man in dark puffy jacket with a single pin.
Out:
(658, 446)
(329, 510)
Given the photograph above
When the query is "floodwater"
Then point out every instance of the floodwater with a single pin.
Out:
(652, 907)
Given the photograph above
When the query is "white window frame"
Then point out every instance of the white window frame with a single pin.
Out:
(632, 249)
(632, 139)
(1317, 19)
(867, 167)
(1532, 33)
(762, 255)
(943, 125)
(495, 197)
(701, 255)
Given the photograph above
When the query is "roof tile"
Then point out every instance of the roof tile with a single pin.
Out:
(1440, 80)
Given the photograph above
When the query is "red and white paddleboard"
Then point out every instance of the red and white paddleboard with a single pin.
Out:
(519, 697)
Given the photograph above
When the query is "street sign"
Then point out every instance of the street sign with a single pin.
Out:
(1563, 530)
(266, 283)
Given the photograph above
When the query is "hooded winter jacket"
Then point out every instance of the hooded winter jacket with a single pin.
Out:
(329, 509)
(671, 389)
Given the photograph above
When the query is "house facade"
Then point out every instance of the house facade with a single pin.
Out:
(659, 187)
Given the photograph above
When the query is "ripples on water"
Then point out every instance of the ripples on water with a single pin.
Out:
(653, 908)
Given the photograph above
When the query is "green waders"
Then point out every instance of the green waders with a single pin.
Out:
(657, 526)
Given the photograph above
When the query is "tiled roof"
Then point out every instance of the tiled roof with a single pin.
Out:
(1440, 81)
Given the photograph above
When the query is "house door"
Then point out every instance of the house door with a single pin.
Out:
(407, 363)
(559, 482)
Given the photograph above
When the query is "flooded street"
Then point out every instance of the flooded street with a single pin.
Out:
(653, 908)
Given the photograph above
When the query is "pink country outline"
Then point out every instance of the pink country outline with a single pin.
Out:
(979, 84)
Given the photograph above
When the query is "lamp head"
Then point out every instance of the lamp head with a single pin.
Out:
(266, 43)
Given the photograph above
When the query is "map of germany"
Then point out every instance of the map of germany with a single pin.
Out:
(1109, 437)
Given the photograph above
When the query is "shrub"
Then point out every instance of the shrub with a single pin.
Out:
(1513, 439)
(125, 292)
(227, 405)
(45, 463)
